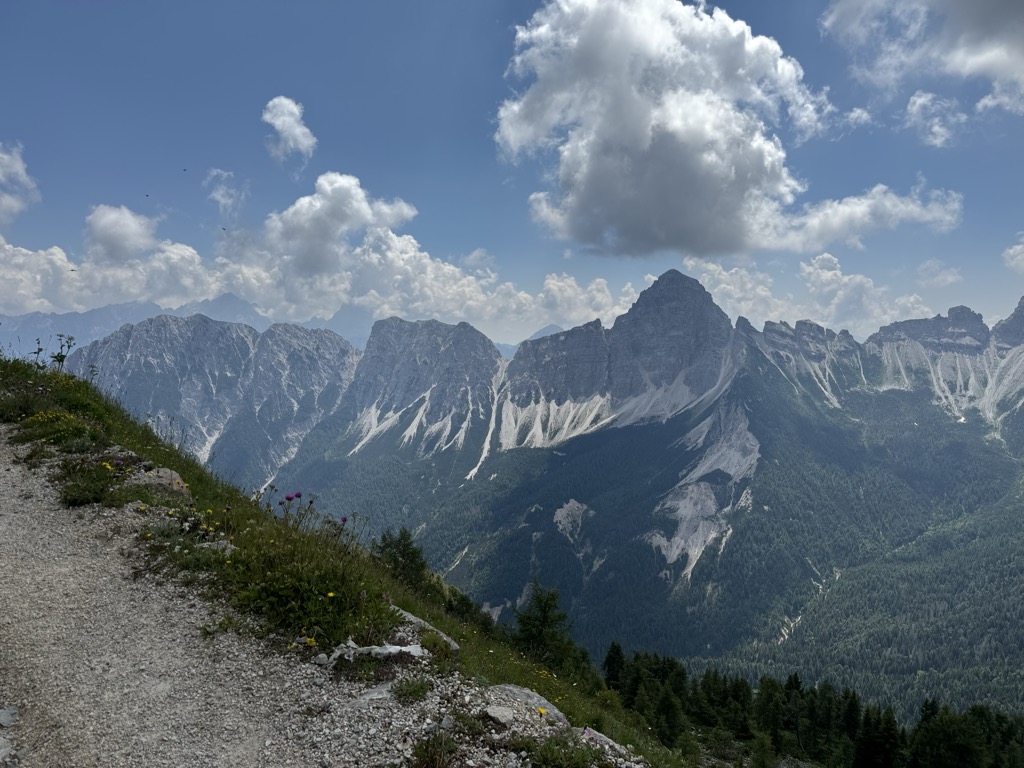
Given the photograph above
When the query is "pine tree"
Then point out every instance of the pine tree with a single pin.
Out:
(613, 666)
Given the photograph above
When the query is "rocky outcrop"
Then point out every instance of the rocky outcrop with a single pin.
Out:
(962, 330)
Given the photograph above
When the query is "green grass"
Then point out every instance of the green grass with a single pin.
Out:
(412, 689)
(302, 581)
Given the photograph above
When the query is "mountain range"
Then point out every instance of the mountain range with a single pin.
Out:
(761, 501)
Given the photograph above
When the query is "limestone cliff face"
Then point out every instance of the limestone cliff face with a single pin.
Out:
(236, 398)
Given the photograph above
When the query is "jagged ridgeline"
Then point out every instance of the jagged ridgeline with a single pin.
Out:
(774, 500)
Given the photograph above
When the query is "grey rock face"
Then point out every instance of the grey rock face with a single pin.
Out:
(570, 365)
(674, 329)
(233, 397)
(669, 349)
(430, 382)
(404, 361)
(1009, 333)
(963, 330)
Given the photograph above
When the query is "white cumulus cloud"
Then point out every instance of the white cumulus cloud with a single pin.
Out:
(1013, 257)
(846, 220)
(336, 247)
(17, 189)
(666, 123)
(853, 301)
(34, 279)
(117, 234)
(292, 135)
(828, 296)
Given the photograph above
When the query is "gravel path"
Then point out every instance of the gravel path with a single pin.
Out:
(110, 671)
(101, 669)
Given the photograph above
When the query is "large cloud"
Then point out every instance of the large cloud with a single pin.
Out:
(17, 188)
(285, 116)
(668, 122)
(894, 40)
(335, 247)
(35, 281)
(829, 296)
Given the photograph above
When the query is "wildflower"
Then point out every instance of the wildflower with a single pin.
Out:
(542, 711)
(311, 642)
(330, 594)
(298, 494)
(344, 519)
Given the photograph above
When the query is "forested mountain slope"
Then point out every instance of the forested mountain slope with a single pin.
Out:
(759, 499)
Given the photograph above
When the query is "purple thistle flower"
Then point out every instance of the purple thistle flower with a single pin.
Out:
(289, 497)
(344, 519)
(298, 494)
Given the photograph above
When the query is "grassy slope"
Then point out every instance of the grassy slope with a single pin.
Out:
(282, 567)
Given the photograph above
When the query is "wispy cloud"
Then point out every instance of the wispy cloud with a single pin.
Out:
(17, 189)
(228, 195)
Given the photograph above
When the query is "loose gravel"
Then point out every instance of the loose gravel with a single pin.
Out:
(99, 667)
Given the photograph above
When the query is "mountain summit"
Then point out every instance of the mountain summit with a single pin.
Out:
(707, 491)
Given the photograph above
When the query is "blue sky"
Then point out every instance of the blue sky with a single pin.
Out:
(514, 164)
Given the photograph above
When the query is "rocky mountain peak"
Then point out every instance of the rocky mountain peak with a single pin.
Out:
(1009, 332)
(404, 360)
(962, 330)
(673, 329)
(672, 291)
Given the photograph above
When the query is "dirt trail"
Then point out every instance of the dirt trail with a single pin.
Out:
(110, 671)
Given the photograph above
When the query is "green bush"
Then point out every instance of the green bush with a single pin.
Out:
(438, 750)
(412, 689)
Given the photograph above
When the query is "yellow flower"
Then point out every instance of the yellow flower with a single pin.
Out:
(330, 594)
(542, 711)
(310, 641)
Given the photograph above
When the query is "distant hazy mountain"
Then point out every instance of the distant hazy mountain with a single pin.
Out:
(227, 308)
(760, 500)
(509, 350)
(18, 333)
